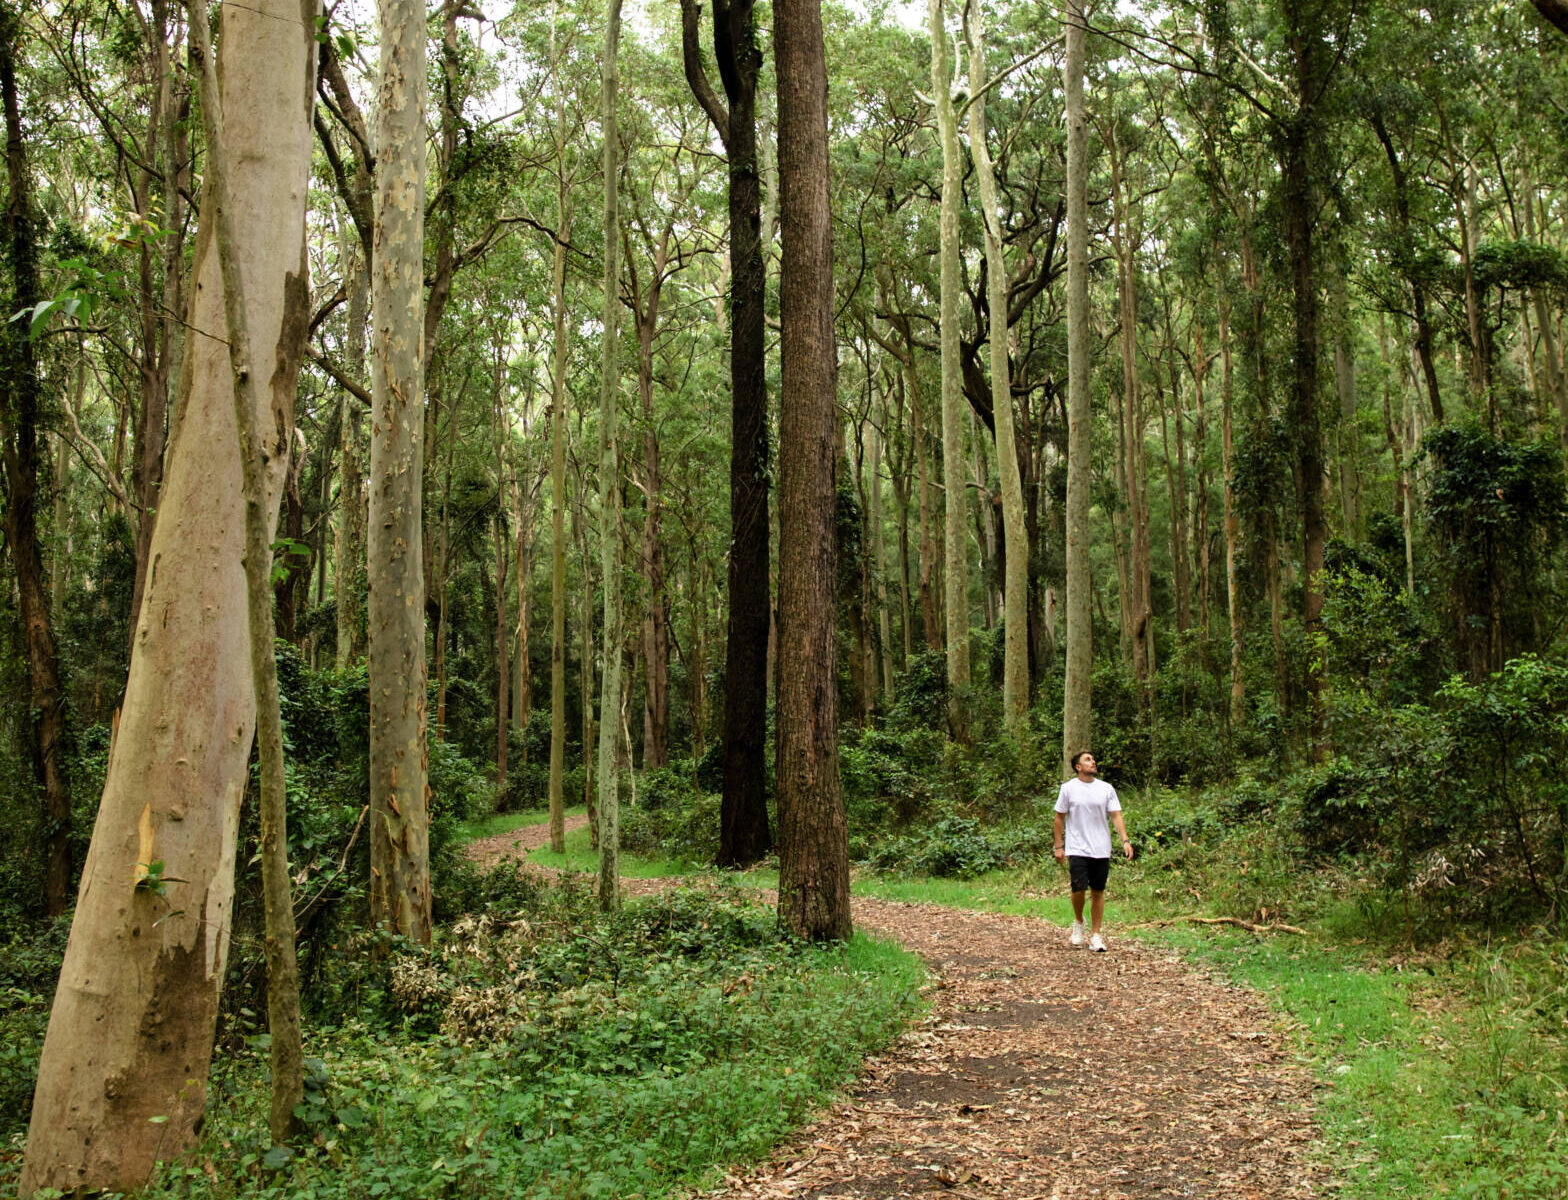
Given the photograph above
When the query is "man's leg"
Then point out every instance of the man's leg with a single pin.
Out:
(1078, 908)
(1096, 909)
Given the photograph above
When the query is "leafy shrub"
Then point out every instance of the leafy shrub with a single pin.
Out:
(672, 818)
(559, 1052)
(959, 847)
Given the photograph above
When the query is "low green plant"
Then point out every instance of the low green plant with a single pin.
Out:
(553, 1051)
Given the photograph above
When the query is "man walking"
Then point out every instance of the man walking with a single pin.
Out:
(1083, 842)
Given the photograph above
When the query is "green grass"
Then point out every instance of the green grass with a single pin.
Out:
(655, 1047)
(582, 857)
(1442, 1076)
(472, 831)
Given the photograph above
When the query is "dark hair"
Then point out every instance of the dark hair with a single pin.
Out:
(1076, 757)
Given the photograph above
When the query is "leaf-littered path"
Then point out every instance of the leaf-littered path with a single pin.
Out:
(1047, 1072)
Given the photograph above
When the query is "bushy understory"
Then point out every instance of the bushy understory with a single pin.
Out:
(546, 1050)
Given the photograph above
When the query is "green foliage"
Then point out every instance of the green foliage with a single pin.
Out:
(959, 847)
(673, 818)
(1439, 1077)
(1497, 510)
(553, 1052)
(29, 965)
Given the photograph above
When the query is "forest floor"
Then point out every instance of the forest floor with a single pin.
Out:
(1045, 1072)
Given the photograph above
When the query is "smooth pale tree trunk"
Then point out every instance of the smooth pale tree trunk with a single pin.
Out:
(348, 578)
(503, 674)
(148, 948)
(930, 599)
(879, 559)
(1556, 386)
(558, 528)
(585, 652)
(21, 405)
(1423, 338)
(1238, 686)
(1345, 389)
(656, 616)
(955, 565)
(813, 832)
(160, 336)
(256, 450)
(609, 486)
(1015, 533)
(1076, 684)
(399, 762)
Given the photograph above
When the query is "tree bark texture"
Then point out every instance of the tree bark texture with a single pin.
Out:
(1076, 685)
(955, 563)
(259, 449)
(1297, 210)
(813, 833)
(1238, 685)
(744, 837)
(130, 1034)
(558, 526)
(20, 397)
(1015, 534)
(348, 583)
(609, 485)
(399, 762)
(656, 616)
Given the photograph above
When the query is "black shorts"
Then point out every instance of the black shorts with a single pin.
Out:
(1088, 874)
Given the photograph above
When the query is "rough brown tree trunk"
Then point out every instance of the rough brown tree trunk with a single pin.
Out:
(1238, 686)
(744, 837)
(399, 754)
(813, 833)
(930, 599)
(656, 616)
(1297, 209)
(1176, 486)
(503, 657)
(1140, 610)
(348, 578)
(20, 402)
(610, 699)
(148, 948)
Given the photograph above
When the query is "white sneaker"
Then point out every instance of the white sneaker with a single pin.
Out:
(1097, 944)
(1077, 935)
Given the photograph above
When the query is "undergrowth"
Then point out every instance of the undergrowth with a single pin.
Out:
(546, 1050)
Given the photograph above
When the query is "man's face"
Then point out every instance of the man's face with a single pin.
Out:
(1087, 765)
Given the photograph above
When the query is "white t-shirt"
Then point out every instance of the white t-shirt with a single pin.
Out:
(1088, 807)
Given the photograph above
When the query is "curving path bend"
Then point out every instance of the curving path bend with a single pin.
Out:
(1044, 1072)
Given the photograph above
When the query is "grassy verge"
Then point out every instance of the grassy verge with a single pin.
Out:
(582, 857)
(472, 831)
(1444, 1074)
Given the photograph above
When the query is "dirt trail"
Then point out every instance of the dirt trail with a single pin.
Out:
(516, 843)
(1044, 1072)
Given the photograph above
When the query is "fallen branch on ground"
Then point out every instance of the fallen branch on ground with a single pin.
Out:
(1249, 926)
